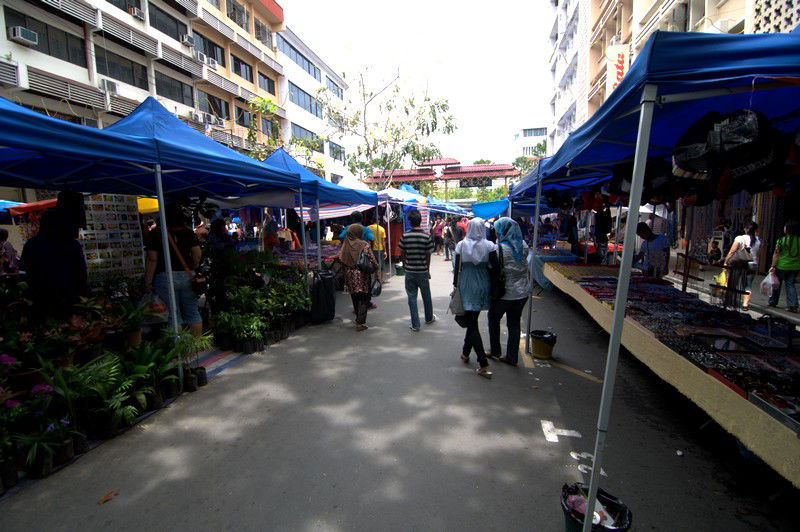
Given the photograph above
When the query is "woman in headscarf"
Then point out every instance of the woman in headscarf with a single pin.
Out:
(513, 256)
(474, 256)
(357, 283)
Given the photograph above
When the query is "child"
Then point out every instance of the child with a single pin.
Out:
(714, 254)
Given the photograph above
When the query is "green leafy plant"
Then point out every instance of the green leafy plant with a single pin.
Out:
(113, 391)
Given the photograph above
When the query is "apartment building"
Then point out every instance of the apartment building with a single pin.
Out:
(569, 63)
(305, 73)
(94, 61)
(526, 140)
(611, 26)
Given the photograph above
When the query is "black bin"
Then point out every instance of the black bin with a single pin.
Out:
(323, 297)
(621, 517)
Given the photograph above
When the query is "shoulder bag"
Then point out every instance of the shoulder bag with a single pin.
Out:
(498, 283)
(456, 306)
(198, 283)
(742, 253)
(364, 263)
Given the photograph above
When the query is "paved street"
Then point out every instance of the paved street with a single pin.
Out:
(389, 430)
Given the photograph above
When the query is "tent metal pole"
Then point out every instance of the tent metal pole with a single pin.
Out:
(621, 300)
(389, 237)
(586, 222)
(378, 236)
(616, 232)
(530, 268)
(319, 240)
(173, 303)
(303, 234)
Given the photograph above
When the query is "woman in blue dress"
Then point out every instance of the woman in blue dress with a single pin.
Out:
(473, 257)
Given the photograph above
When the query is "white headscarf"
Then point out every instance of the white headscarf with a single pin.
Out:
(475, 248)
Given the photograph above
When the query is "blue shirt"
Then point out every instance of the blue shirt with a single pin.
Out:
(368, 235)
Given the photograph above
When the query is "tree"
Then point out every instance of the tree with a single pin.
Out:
(525, 165)
(483, 161)
(492, 194)
(297, 147)
(540, 150)
(391, 126)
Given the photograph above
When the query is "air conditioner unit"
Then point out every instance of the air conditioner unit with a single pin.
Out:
(22, 35)
(219, 122)
(196, 117)
(200, 56)
(136, 12)
(108, 86)
(187, 40)
(91, 122)
(212, 63)
(615, 40)
(208, 118)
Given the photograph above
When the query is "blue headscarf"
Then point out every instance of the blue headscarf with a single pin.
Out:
(509, 233)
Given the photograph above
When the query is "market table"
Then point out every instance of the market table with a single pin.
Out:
(770, 439)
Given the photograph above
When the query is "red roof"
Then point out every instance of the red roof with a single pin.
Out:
(274, 10)
(439, 162)
(403, 172)
(480, 170)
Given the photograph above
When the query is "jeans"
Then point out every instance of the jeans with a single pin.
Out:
(472, 338)
(447, 250)
(513, 311)
(184, 296)
(415, 281)
(787, 277)
(360, 303)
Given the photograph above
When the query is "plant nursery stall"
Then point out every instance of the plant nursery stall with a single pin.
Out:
(68, 381)
(698, 118)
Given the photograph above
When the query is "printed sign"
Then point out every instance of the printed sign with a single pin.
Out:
(617, 63)
(112, 240)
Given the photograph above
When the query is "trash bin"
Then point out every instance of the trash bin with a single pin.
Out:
(542, 343)
(609, 512)
(399, 270)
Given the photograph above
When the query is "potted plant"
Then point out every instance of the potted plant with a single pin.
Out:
(10, 410)
(249, 333)
(39, 447)
(131, 318)
(63, 447)
(68, 393)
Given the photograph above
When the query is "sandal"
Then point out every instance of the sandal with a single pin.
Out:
(492, 355)
(484, 372)
(504, 360)
(465, 359)
(360, 328)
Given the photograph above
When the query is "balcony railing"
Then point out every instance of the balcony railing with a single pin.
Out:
(129, 35)
(181, 61)
(63, 89)
(218, 25)
(222, 83)
(77, 9)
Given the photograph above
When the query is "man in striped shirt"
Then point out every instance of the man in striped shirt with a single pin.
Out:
(416, 247)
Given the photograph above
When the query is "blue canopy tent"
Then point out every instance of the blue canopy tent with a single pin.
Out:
(493, 209)
(318, 189)
(150, 151)
(676, 79)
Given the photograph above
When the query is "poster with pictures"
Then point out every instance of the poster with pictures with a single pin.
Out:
(426, 222)
(112, 240)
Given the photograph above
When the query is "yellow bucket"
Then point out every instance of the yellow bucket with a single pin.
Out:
(542, 343)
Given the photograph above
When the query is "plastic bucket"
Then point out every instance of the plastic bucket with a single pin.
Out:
(542, 343)
(621, 516)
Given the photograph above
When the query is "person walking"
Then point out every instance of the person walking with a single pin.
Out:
(742, 262)
(474, 256)
(449, 240)
(786, 264)
(512, 253)
(357, 282)
(416, 248)
(438, 237)
(357, 218)
(379, 248)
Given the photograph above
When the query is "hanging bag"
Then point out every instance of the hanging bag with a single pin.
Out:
(198, 283)
(498, 285)
(743, 253)
(364, 263)
(456, 305)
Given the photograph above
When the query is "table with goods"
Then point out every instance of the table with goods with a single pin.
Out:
(743, 372)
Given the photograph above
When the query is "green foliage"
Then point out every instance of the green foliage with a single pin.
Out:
(268, 109)
(525, 165)
(393, 127)
(456, 193)
(483, 161)
(491, 194)
(113, 390)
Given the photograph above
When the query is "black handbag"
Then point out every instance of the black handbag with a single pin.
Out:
(497, 287)
(377, 288)
(199, 283)
(365, 265)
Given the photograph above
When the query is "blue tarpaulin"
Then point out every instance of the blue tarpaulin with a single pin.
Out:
(43, 152)
(314, 187)
(491, 209)
(733, 68)
(5, 204)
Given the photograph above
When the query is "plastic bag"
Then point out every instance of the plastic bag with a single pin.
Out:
(157, 309)
(770, 283)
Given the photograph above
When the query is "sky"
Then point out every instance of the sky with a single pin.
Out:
(488, 59)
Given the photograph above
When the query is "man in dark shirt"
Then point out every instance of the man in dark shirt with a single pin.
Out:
(416, 247)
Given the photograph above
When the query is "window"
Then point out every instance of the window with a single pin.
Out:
(241, 68)
(173, 89)
(336, 178)
(300, 97)
(314, 142)
(263, 33)
(534, 132)
(336, 151)
(267, 127)
(123, 4)
(238, 13)
(213, 105)
(52, 41)
(210, 48)
(297, 57)
(214, 3)
(120, 68)
(166, 23)
(334, 88)
(243, 117)
(266, 83)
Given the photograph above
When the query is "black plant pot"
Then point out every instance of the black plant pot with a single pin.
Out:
(41, 467)
(8, 473)
(189, 382)
(81, 443)
(63, 452)
(170, 388)
(101, 425)
(201, 374)
(155, 400)
(224, 341)
(249, 346)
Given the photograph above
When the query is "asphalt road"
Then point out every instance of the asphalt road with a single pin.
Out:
(388, 430)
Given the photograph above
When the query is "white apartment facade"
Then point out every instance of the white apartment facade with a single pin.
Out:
(305, 73)
(94, 61)
(526, 140)
(568, 69)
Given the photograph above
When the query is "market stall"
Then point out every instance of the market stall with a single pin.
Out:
(677, 81)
